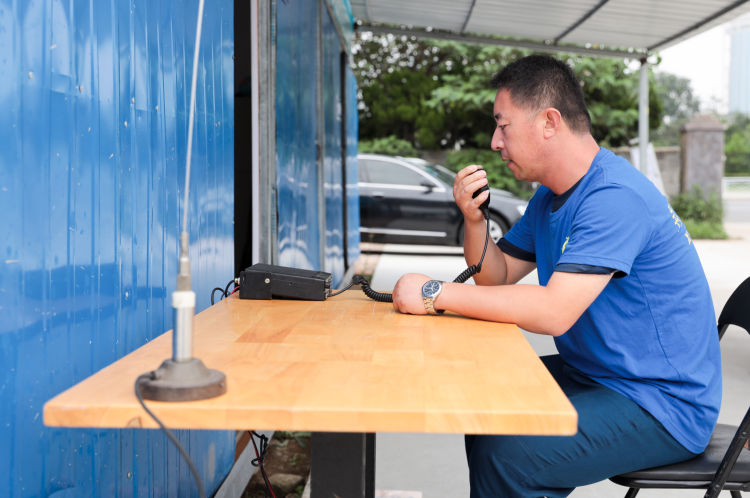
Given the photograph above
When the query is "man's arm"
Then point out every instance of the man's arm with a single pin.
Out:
(550, 309)
(497, 268)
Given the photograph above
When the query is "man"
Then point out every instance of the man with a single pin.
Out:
(621, 289)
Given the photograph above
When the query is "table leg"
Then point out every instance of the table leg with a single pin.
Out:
(343, 465)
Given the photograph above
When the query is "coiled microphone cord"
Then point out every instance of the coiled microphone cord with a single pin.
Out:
(386, 297)
(474, 269)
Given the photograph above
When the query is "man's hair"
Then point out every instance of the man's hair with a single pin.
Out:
(540, 81)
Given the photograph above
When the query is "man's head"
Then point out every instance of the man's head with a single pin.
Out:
(537, 82)
(542, 127)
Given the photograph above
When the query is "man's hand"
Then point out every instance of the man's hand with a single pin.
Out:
(407, 295)
(467, 181)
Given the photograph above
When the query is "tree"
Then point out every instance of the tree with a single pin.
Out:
(611, 91)
(436, 94)
(398, 75)
(676, 96)
(737, 145)
(393, 74)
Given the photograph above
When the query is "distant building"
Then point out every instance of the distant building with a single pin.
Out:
(739, 65)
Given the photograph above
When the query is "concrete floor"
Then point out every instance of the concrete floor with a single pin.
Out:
(434, 466)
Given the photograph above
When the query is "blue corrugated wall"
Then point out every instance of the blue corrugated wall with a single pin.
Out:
(333, 113)
(352, 175)
(300, 75)
(93, 105)
(296, 132)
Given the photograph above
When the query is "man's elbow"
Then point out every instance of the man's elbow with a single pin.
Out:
(556, 331)
(560, 322)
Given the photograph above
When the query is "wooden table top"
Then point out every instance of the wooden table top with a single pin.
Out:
(347, 364)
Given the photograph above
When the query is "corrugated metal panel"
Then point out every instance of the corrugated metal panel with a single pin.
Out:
(447, 13)
(636, 24)
(352, 174)
(641, 23)
(299, 78)
(344, 19)
(296, 132)
(546, 20)
(92, 147)
(333, 114)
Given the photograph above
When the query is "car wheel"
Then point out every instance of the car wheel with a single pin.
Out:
(498, 229)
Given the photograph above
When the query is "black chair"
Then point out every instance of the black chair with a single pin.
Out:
(724, 464)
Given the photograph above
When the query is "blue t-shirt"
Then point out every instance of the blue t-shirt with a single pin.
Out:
(651, 334)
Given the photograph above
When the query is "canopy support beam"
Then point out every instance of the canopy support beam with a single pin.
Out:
(592, 50)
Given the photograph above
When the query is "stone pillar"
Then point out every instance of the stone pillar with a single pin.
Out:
(702, 154)
(670, 167)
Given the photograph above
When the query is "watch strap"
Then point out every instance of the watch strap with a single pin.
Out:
(429, 301)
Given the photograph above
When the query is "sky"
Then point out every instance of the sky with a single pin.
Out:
(704, 59)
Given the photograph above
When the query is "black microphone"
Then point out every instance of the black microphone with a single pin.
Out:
(485, 206)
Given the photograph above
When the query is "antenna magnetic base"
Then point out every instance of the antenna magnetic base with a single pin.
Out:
(188, 380)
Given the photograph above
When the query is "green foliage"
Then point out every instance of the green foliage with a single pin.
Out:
(436, 94)
(737, 146)
(696, 205)
(611, 92)
(283, 437)
(701, 213)
(676, 96)
(433, 94)
(498, 174)
(705, 230)
(390, 145)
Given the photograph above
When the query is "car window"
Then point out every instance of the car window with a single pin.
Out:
(441, 173)
(437, 170)
(392, 173)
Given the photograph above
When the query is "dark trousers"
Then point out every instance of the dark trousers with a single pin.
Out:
(615, 435)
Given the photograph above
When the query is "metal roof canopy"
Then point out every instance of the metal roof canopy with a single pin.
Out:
(609, 28)
(629, 29)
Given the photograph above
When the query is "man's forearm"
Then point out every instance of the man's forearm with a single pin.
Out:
(528, 306)
(550, 309)
(494, 270)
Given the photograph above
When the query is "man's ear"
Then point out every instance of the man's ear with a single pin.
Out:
(552, 122)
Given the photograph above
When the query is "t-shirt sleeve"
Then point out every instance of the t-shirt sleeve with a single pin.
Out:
(589, 269)
(610, 229)
(514, 251)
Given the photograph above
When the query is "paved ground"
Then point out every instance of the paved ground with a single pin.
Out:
(434, 466)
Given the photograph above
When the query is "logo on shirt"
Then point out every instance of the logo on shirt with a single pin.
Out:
(565, 244)
(678, 224)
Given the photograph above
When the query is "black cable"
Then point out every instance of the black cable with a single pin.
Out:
(474, 269)
(170, 435)
(259, 457)
(226, 289)
(214, 291)
(385, 297)
(345, 288)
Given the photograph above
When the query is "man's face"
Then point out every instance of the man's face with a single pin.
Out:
(517, 137)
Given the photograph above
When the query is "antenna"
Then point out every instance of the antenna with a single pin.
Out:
(183, 377)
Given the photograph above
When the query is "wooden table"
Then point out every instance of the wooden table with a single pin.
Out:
(344, 365)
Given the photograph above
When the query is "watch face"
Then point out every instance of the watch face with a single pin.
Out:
(431, 288)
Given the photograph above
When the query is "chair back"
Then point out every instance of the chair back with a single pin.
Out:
(735, 312)
(737, 309)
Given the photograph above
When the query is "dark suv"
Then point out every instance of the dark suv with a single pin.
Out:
(410, 201)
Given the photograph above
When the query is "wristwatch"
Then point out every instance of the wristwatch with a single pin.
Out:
(430, 291)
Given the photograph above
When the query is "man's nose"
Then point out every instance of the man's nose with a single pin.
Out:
(497, 140)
